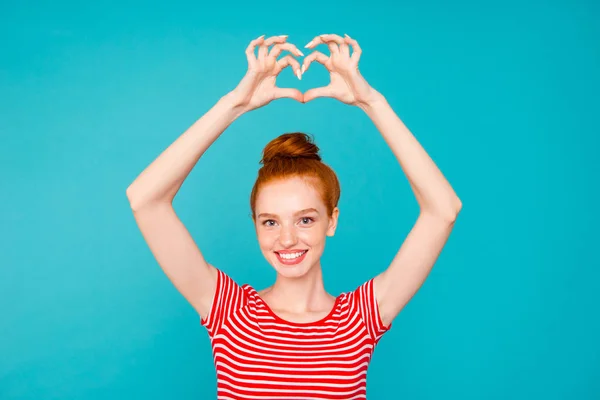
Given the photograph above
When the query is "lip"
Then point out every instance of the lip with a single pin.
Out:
(291, 262)
(290, 251)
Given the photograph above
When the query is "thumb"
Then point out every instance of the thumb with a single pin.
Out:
(289, 93)
(311, 94)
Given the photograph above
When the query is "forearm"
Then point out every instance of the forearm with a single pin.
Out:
(433, 192)
(161, 180)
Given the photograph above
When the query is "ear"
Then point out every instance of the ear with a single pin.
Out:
(333, 220)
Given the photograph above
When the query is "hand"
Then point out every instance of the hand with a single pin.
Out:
(258, 88)
(347, 84)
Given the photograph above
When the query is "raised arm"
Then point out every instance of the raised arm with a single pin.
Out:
(439, 205)
(151, 194)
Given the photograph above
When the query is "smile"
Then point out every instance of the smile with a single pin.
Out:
(291, 259)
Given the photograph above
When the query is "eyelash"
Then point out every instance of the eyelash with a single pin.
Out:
(265, 222)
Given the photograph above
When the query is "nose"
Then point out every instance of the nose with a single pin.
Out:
(288, 236)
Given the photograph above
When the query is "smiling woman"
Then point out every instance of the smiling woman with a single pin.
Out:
(293, 340)
(294, 206)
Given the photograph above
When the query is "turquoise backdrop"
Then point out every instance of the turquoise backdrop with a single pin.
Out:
(504, 96)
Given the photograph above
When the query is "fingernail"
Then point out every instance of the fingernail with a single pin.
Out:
(299, 52)
(260, 37)
(309, 44)
(345, 34)
(283, 36)
(303, 69)
(299, 75)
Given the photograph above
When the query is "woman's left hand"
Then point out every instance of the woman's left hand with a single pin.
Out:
(347, 84)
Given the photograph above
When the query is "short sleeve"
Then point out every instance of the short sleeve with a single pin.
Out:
(366, 303)
(229, 297)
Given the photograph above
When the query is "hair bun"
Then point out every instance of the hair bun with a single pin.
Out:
(291, 146)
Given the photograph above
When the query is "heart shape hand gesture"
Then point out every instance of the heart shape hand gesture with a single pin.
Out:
(258, 87)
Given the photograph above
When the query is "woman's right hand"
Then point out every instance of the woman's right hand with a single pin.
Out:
(258, 88)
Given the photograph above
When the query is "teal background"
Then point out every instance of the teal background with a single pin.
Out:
(503, 95)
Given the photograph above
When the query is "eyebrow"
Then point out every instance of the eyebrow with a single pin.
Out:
(306, 210)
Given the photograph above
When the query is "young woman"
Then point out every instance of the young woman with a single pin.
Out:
(293, 340)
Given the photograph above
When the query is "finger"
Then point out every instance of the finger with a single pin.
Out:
(320, 39)
(356, 50)
(276, 39)
(314, 56)
(270, 41)
(278, 48)
(332, 38)
(317, 40)
(289, 93)
(263, 50)
(333, 47)
(339, 41)
(345, 48)
(250, 49)
(291, 61)
(312, 94)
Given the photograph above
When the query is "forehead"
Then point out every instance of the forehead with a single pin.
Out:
(287, 196)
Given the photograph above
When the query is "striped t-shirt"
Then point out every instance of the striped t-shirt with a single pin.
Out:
(258, 355)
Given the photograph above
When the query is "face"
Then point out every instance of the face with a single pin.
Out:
(291, 226)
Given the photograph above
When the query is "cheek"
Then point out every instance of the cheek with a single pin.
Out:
(266, 239)
(313, 237)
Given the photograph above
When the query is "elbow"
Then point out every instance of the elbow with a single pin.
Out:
(447, 212)
(134, 200)
(138, 202)
(129, 195)
(453, 210)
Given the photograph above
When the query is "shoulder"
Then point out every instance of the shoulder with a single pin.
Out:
(251, 293)
(360, 295)
(362, 289)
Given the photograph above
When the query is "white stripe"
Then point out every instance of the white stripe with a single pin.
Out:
(301, 386)
(273, 358)
(348, 339)
(315, 367)
(270, 396)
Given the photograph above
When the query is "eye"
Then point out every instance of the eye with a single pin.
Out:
(308, 218)
(266, 223)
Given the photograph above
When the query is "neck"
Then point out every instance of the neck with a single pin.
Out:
(300, 294)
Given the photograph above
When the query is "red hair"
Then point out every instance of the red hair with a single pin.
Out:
(296, 155)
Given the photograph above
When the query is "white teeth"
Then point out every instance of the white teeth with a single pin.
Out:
(291, 256)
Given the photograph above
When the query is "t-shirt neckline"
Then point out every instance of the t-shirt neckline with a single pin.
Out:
(284, 321)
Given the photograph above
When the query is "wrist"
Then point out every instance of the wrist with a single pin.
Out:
(374, 99)
(235, 103)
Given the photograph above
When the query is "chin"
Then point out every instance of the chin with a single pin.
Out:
(292, 271)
